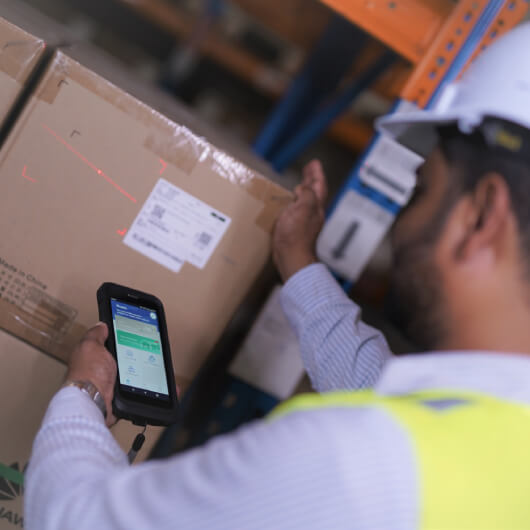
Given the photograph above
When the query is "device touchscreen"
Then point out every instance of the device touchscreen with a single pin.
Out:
(141, 367)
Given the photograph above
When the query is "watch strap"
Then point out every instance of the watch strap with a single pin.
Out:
(91, 390)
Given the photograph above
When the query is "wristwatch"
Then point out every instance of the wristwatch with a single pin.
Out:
(90, 390)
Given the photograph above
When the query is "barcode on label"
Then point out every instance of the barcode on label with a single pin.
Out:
(204, 239)
(154, 246)
(158, 211)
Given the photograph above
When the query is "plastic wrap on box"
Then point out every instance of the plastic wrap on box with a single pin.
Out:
(117, 73)
(171, 142)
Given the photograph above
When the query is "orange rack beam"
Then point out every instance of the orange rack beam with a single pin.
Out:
(406, 26)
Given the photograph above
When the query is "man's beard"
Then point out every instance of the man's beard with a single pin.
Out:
(415, 303)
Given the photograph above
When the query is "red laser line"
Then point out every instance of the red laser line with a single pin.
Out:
(88, 163)
(26, 176)
(164, 165)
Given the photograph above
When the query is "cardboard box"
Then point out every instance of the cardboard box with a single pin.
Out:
(31, 380)
(19, 54)
(96, 186)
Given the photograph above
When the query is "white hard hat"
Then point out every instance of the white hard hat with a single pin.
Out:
(496, 85)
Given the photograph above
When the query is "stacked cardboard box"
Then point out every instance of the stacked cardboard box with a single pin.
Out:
(20, 53)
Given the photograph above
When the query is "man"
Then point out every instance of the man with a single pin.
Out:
(442, 439)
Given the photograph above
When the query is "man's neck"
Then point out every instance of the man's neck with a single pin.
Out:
(501, 325)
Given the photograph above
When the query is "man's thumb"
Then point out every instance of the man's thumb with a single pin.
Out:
(99, 333)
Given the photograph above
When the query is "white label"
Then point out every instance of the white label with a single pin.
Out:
(174, 227)
(352, 234)
(391, 169)
(270, 357)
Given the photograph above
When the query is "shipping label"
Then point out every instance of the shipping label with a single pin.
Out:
(174, 227)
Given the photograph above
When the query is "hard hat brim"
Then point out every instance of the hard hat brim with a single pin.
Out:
(416, 130)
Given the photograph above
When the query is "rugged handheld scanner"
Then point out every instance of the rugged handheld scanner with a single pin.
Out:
(145, 390)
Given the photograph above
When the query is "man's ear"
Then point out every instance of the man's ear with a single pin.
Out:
(484, 217)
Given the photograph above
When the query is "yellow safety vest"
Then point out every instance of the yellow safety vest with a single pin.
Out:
(473, 453)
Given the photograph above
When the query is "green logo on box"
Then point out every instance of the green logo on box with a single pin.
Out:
(11, 482)
(11, 487)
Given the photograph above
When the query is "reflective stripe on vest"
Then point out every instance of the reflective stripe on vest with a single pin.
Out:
(473, 453)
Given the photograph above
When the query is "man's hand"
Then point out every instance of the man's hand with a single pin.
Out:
(91, 361)
(298, 227)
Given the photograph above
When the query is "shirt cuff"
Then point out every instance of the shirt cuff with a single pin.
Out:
(307, 290)
(73, 402)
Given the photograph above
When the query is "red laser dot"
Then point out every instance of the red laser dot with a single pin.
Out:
(164, 165)
(121, 232)
(88, 163)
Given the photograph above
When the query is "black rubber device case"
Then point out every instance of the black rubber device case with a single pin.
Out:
(140, 413)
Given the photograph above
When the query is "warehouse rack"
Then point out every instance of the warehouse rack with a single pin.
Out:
(437, 36)
(297, 22)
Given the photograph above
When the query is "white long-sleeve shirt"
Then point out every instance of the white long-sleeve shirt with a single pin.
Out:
(328, 468)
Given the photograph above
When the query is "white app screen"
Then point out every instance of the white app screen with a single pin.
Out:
(139, 349)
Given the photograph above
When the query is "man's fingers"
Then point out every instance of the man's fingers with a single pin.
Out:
(297, 191)
(315, 178)
(306, 194)
(320, 186)
(311, 169)
(302, 193)
(110, 420)
(99, 333)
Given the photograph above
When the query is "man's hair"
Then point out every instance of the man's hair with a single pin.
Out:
(470, 159)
